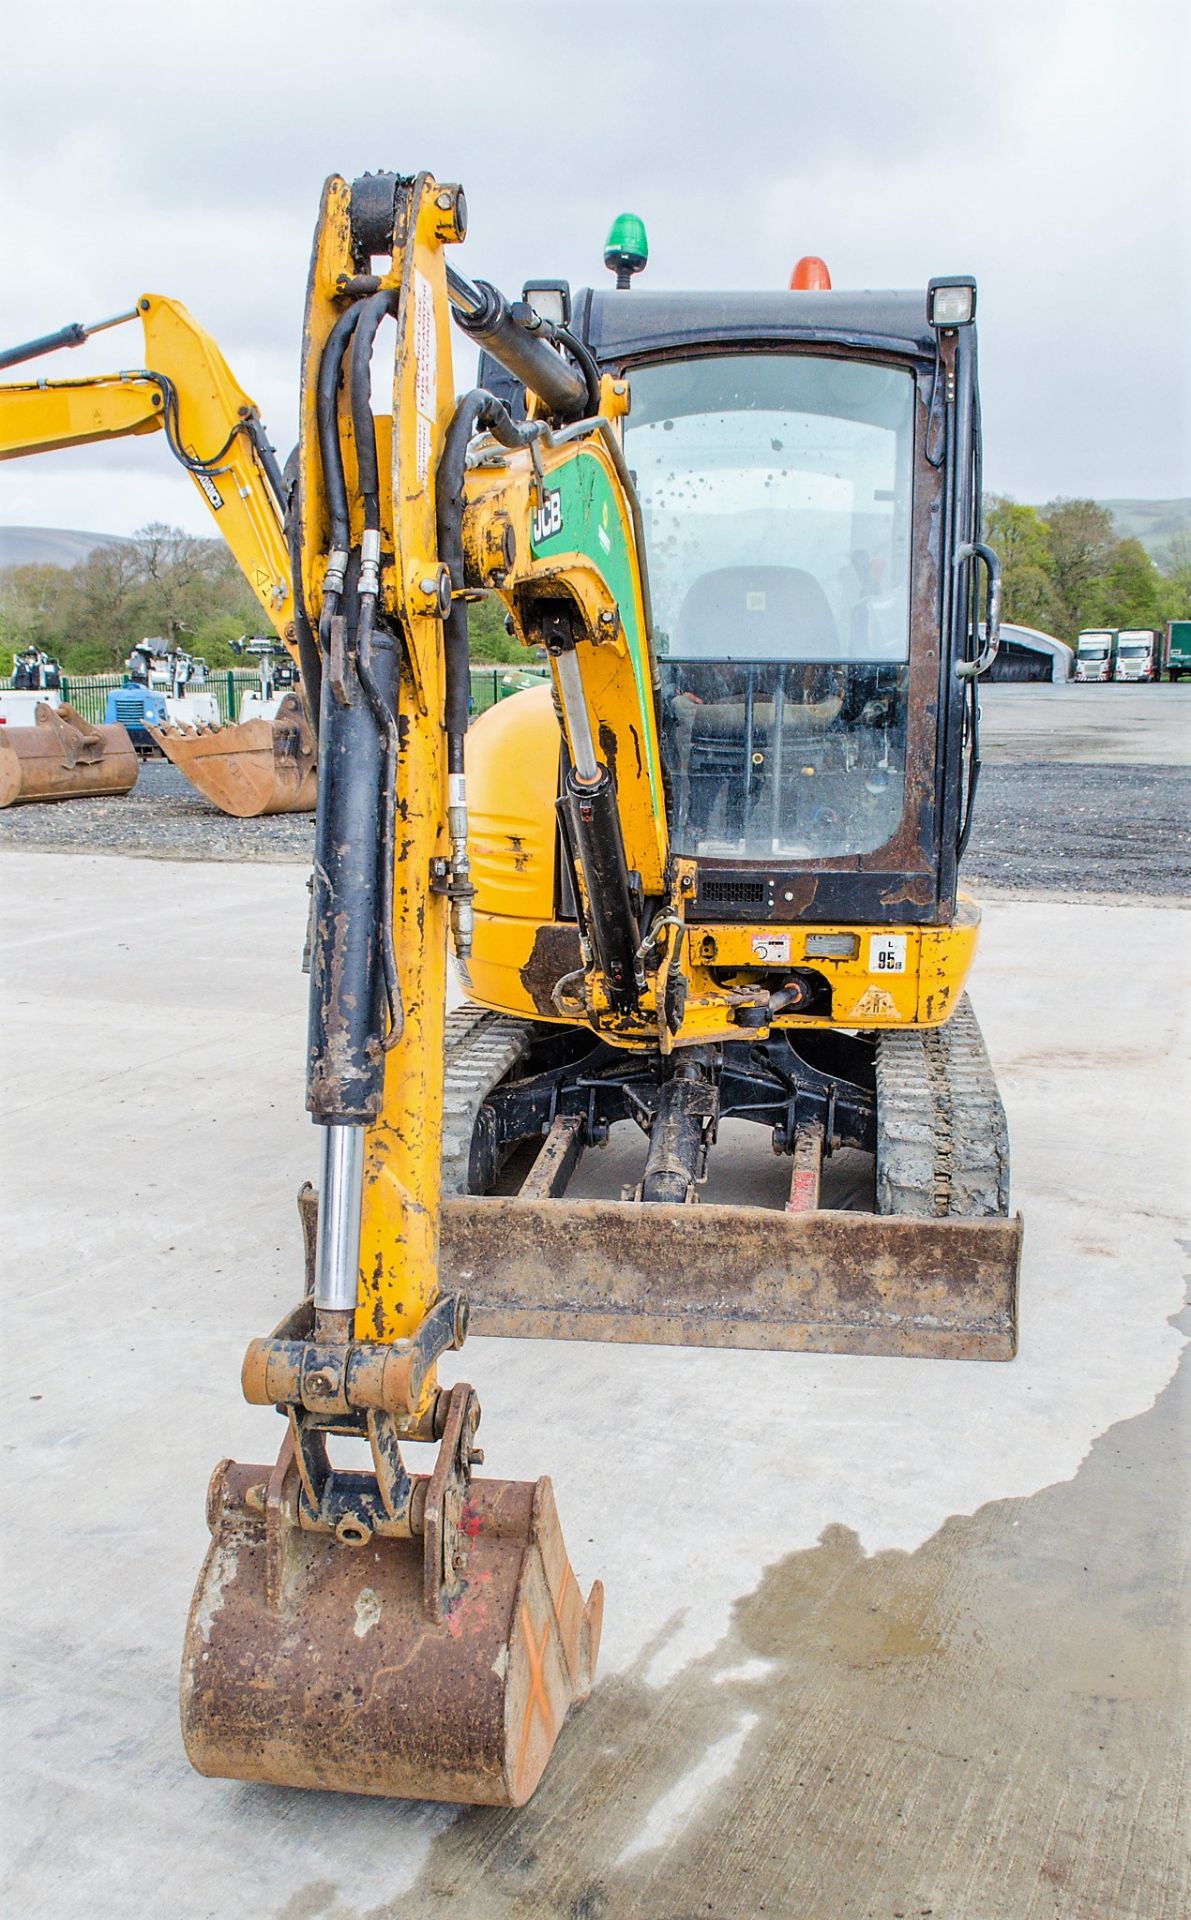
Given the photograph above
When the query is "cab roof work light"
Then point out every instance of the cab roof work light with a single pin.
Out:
(626, 249)
(551, 299)
(951, 302)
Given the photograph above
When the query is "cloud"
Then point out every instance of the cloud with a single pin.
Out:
(1036, 145)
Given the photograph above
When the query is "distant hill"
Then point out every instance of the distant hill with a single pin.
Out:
(50, 546)
(1153, 522)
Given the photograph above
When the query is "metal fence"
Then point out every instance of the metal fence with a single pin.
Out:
(89, 691)
(490, 684)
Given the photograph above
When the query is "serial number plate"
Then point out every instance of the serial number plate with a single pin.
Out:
(887, 953)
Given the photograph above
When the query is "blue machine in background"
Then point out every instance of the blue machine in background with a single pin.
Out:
(137, 708)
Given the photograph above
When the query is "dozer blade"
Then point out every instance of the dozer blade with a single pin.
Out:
(314, 1663)
(715, 1276)
(63, 757)
(250, 768)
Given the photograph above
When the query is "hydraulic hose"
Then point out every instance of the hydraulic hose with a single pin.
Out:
(586, 362)
(386, 721)
(326, 398)
(371, 312)
(331, 453)
(309, 657)
(476, 409)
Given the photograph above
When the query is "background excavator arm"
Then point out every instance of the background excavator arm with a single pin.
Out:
(186, 390)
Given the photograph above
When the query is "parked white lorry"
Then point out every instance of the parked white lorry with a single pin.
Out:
(1137, 654)
(1095, 653)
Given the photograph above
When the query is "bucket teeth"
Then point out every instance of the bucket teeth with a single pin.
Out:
(250, 767)
(312, 1663)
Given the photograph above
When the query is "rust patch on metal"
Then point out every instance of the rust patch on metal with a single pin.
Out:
(253, 768)
(555, 953)
(312, 1663)
(63, 757)
(735, 1277)
(551, 1172)
(910, 892)
(609, 746)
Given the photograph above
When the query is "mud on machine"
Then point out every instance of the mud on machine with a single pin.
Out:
(710, 872)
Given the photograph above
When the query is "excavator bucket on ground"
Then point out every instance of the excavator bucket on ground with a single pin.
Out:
(63, 757)
(435, 1666)
(250, 768)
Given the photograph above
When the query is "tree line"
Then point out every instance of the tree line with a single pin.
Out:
(1064, 568)
(162, 583)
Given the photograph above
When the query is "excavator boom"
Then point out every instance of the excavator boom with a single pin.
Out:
(380, 1632)
(187, 391)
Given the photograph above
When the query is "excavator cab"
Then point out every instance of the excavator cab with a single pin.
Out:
(808, 500)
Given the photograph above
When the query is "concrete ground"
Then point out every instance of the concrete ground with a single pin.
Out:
(1133, 725)
(883, 1637)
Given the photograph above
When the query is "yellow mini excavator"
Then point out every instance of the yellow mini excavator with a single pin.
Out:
(186, 390)
(708, 874)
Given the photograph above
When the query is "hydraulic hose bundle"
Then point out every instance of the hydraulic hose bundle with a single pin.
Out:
(355, 988)
(477, 411)
(356, 1012)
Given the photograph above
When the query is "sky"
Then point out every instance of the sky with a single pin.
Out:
(182, 149)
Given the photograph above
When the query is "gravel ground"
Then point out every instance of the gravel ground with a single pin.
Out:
(1053, 828)
(163, 818)
(1078, 829)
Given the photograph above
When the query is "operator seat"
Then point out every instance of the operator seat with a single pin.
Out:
(742, 634)
(755, 613)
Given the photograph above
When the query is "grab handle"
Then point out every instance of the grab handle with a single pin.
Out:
(976, 550)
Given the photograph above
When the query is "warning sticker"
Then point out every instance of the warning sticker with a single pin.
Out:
(887, 953)
(875, 1004)
(214, 497)
(771, 949)
(424, 442)
(425, 348)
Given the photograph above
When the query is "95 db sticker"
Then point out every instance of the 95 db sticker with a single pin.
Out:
(887, 953)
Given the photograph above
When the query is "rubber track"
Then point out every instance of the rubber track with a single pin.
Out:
(942, 1139)
(481, 1048)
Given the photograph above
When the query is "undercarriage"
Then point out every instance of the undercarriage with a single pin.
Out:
(524, 1101)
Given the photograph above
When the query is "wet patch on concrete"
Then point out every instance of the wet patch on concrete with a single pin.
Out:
(991, 1727)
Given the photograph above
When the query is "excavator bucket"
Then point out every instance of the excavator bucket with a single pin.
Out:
(63, 757)
(439, 1666)
(252, 767)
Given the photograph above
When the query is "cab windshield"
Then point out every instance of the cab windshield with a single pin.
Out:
(776, 491)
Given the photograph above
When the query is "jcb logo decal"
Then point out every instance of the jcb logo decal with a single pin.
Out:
(547, 521)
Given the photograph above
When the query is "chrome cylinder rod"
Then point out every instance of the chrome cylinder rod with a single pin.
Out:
(337, 1250)
(574, 706)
